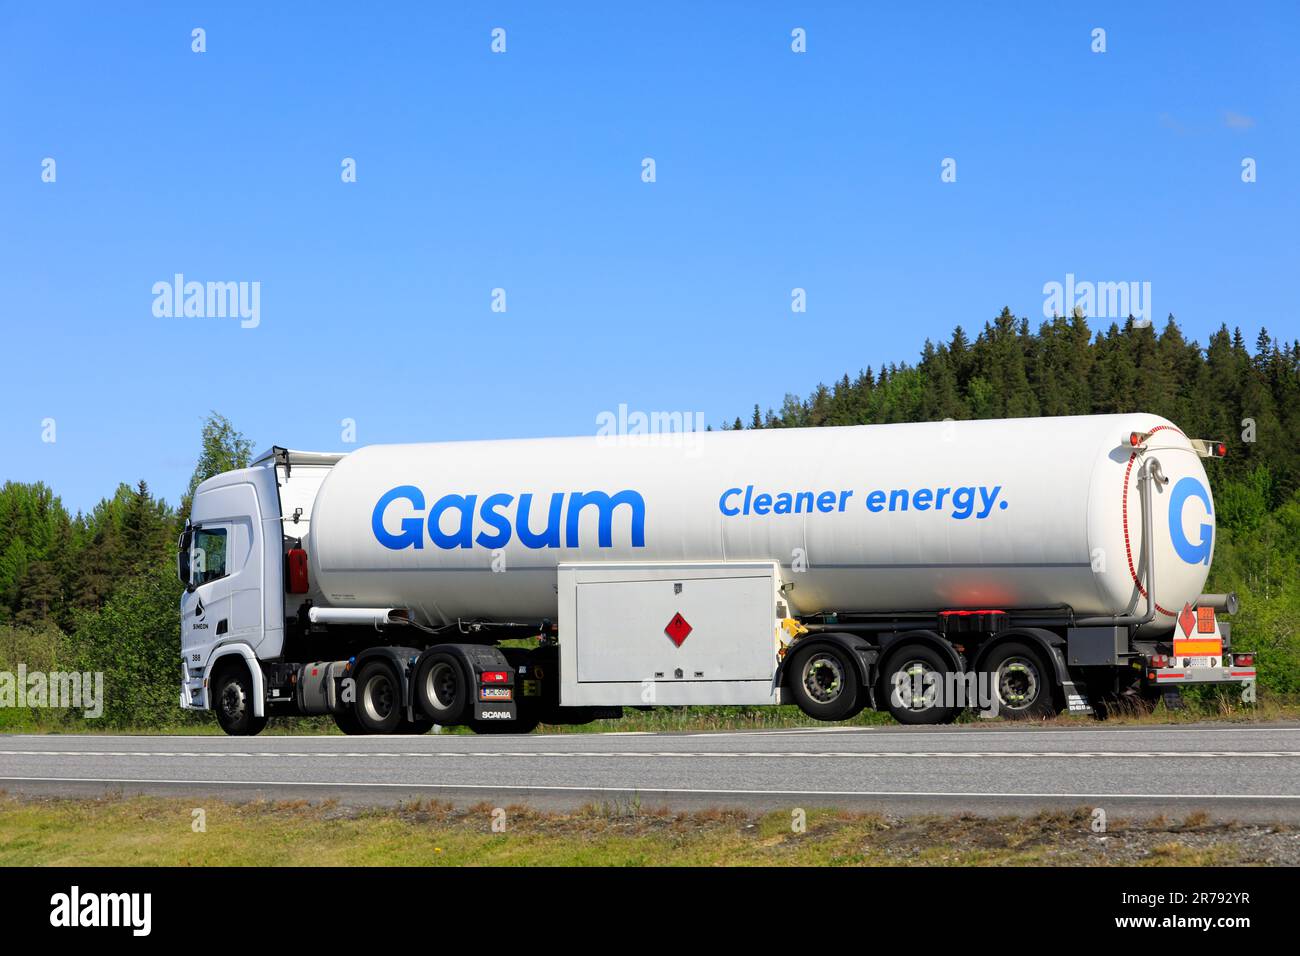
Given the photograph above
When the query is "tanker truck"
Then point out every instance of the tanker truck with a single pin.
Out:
(499, 584)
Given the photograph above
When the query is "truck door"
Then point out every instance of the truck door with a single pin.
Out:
(206, 605)
(244, 569)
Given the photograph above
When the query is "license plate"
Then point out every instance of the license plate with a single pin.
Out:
(494, 693)
(1202, 662)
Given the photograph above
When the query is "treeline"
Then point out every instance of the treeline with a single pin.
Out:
(1249, 398)
(1009, 371)
(97, 591)
(53, 564)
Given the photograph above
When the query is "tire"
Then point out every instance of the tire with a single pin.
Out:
(905, 690)
(442, 689)
(378, 707)
(346, 721)
(421, 725)
(232, 700)
(1025, 688)
(823, 680)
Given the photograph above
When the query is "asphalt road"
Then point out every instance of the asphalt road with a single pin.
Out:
(1248, 773)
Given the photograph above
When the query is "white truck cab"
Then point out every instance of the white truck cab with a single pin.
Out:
(231, 560)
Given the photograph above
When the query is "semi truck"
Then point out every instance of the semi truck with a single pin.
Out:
(1023, 567)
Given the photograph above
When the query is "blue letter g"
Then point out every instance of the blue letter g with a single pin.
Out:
(412, 535)
(1198, 553)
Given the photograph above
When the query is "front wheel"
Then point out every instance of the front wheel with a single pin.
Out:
(823, 681)
(233, 702)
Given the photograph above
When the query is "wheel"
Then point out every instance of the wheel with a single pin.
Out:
(1025, 688)
(232, 697)
(914, 681)
(442, 690)
(346, 721)
(823, 681)
(378, 707)
(421, 725)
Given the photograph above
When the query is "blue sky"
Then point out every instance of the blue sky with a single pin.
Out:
(522, 171)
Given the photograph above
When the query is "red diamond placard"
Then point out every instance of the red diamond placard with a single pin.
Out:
(677, 629)
(1187, 620)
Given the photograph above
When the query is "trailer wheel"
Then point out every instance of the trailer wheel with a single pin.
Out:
(378, 707)
(1025, 688)
(912, 696)
(442, 690)
(232, 690)
(824, 682)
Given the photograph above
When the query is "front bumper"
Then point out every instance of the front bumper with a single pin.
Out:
(194, 696)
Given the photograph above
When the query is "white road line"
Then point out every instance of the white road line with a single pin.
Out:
(674, 790)
(673, 754)
(973, 731)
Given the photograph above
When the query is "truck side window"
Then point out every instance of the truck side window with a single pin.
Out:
(209, 555)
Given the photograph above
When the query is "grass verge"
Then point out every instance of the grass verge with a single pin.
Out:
(148, 831)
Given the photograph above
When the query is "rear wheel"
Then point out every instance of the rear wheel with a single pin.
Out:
(232, 699)
(1025, 688)
(378, 707)
(346, 721)
(823, 681)
(915, 677)
(421, 725)
(442, 691)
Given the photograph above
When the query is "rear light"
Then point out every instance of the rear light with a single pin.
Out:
(495, 677)
(1209, 449)
(1243, 660)
(1161, 660)
(1136, 438)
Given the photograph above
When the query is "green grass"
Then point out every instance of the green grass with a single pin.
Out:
(148, 831)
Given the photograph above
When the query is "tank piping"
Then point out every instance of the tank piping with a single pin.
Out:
(1150, 471)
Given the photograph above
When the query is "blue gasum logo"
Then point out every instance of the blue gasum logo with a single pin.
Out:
(452, 520)
(1198, 553)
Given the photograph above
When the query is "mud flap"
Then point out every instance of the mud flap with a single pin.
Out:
(494, 710)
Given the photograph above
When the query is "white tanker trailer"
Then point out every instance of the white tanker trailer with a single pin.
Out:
(1021, 566)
